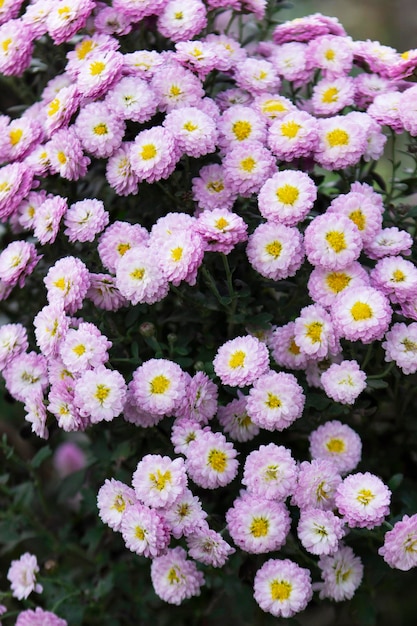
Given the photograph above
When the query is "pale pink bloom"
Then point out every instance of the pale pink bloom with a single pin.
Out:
(84, 50)
(385, 110)
(200, 402)
(158, 386)
(35, 408)
(362, 313)
(389, 242)
(194, 131)
(185, 515)
(363, 500)
(307, 28)
(332, 95)
(176, 86)
(39, 617)
(325, 285)
(399, 549)
(19, 137)
(183, 431)
(208, 546)
(396, 278)
(180, 256)
(104, 294)
(119, 172)
(400, 346)
(13, 341)
(83, 348)
(181, 20)
(28, 207)
(98, 73)
(332, 241)
(60, 108)
(320, 531)
(99, 131)
(22, 576)
(158, 480)
(270, 472)
(290, 61)
(275, 251)
(284, 348)
(174, 577)
(407, 110)
(26, 374)
(132, 98)
(15, 183)
(68, 458)
(64, 19)
(48, 218)
(139, 276)
(336, 442)
(85, 219)
(67, 282)
(341, 141)
(134, 414)
(99, 394)
(240, 124)
(287, 197)
(282, 587)
(66, 154)
(61, 404)
(275, 401)
(235, 421)
(314, 333)
(16, 47)
(221, 230)
(256, 76)
(293, 135)
(333, 55)
(342, 573)
(240, 361)
(317, 482)
(210, 189)
(136, 10)
(117, 239)
(112, 22)
(154, 155)
(211, 460)
(144, 530)
(344, 382)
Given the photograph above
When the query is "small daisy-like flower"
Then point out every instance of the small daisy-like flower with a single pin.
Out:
(16, 47)
(272, 107)
(61, 404)
(48, 217)
(84, 348)
(15, 183)
(195, 133)
(362, 313)
(36, 413)
(28, 207)
(362, 210)
(132, 99)
(275, 251)
(257, 525)
(320, 531)
(400, 346)
(247, 167)
(399, 549)
(330, 96)
(99, 131)
(136, 10)
(210, 190)
(158, 386)
(287, 197)
(176, 87)
(20, 136)
(332, 241)
(117, 239)
(325, 285)
(139, 276)
(314, 332)
(112, 22)
(142, 63)
(341, 142)
(119, 172)
(282, 587)
(104, 293)
(85, 219)
(208, 547)
(185, 515)
(333, 55)
(174, 577)
(317, 482)
(240, 361)
(153, 154)
(26, 374)
(22, 576)
(112, 499)
(290, 61)
(368, 86)
(389, 242)
(66, 155)
(396, 278)
(385, 110)
(275, 401)
(235, 421)
(99, 72)
(270, 472)
(221, 230)
(60, 108)
(184, 431)
(9, 10)
(99, 394)
(134, 414)
(336, 442)
(65, 18)
(39, 617)
(17, 261)
(67, 282)
(13, 341)
(284, 349)
(307, 28)
(144, 531)
(343, 382)
(342, 573)
(240, 124)
(256, 76)
(363, 500)
(180, 256)
(159, 480)
(407, 110)
(181, 20)
(200, 403)
(211, 460)
(50, 325)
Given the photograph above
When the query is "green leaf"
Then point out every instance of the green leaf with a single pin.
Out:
(41, 456)
(317, 401)
(71, 485)
(395, 481)
(377, 383)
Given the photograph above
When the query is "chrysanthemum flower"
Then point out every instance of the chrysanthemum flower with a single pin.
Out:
(99, 131)
(210, 190)
(400, 346)
(333, 55)
(258, 525)
(84, 348)
(240, 361)
(342, 574)
(407, 110)
(61, 404)
(65, 18)
(330, 96)
(110, 21)
(117, 239)
(208, 546)
(287, 197)
(66, 154)
(200, 56)
(343, 382)
(139, 277)
(211, 460)
(119, 172)
(332, 241)
(240, 124)
(67, 281)
(84, 50)
(144, 530)
(15, 183)
(84, 219)
(17, 261)
(307, 28)
(379, 58)
(154, 154)
(19, 137)
(39, 617)
(50, 325)
(112, 499)
(325, 285)
(317, 482)
(396, 278)
(132, 98)
(176, 87)
(221, 230)
(13, 341)
(256, 76)
(399, 549)
(270, 472)
(341, 142)
(275, 251)
(180, 256)
(22, 576)
(361, 313)
(185, 515)
(99, 394)
(26, 374)
(275, 401)
(174, 578)
(235, 421)
(200, 402)
(290, 61)
(26, 210)
(336, 442)
(9, 10)
(284, 348)
(181, 20)
(60, 108)
(159, 480)
(363, 500)
(195, 133)
(34, 406)
(389, 242)
(247, 167)
(320, 531)
(385, 110)
(282, 587)
(272, 107)
(158, 386)
(183, 431)
(314, 333)
(47, 218)
(136, 10)
(16, 47)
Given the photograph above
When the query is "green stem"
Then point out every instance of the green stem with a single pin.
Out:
(212, 285)
(384, 373)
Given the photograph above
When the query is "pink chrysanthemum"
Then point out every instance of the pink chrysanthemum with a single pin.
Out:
(332, 241)
(320, 531)
(48, 218)
(200, 402)
(314, 333)
(389, 242)
(325, 285)
(176, 87)
(50, 325)
(399, 549)
(110, 21)
(240, 124)
(307, 28)
(99, 131)
(139, 276)
(284, 349)
(60, 108)
(180, 256)
(342, 574)
(270, 472)
(256, 76)
(341, 142)
(158, 386)
(104, 293)
(287, 197)
(400, 346)
(132, 99)
(185, 516)
(99, 72)
(407, 110)
(136, 10)
(336, 442)
(333, 55)
(290, 61)
(183, 431)
(208, 546)
(19, 137)
(154, 154)
(293, 135)
(16, 47)
(9, 10)
(385, 110)
(66, 155)
(22, 576)
(17, 261)
(363, 500)
(211, 460)
(275, 251)
(181, 20)
(330, 96)
(396, 278)
(84, 348)
(65, 18)
(35, 410)
(39, 617)
(221, 230)
(61, 402)
(317, 482)
(240, 361)
(26, 374)
(27, 208)
(112, 499)
(13, 341)
(258, 525)
(210, 190)
(119, 172)
(67, 281)
(144, 530)
(99, 394)
(15, 183)
(247, 167)
(194, 132)
(85, 219)
(174, 578)
(282, 587)
(235, 421)
(134, 414)
(362, 313)
(117, 239)
(159, 480)
(344, 382)
(275, 401)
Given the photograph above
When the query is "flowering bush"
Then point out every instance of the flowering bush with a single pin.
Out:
(209, 291)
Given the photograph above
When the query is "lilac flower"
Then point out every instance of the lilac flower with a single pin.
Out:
(270, 472)
(235, 421)
(211, 460)
(158, 480)
(99, 394)
(317, 483)
(240, 361)
(287, 197)
(208, 546)
(399, 544)
(343, 382)
(282, 587)
(320, 531)
(85, 219)
(174, 577)
(144, 530)
(336, 442)
(158, 386)
(112, 499)
(363, 500)
(13, 341)
(275, 401)
(342, 573)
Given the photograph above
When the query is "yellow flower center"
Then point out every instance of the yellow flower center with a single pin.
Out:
(178, 15)
(53, 106)
(330, 95)
(335, 445)
(148, 152)
(287, 194)
(337, 281)
(159, 480)
(273, 402)
(4, 187)
(337, 137)
(293, 348)
(102, 392)
(313, 331)
(321, 493)
(190, 126)
(64, 12)
(330, 54)
(61, 284)
(259, 527)
(221, 223)
(361, 311)
(84, 48)
(5, 44)
(96, 68)
(79, 350)
(409, 346)
(336, 240)
(176, 254)
(247, 164)
(242, 129)
(139, 533)
(398, 276)
(122, 248)
(215, 185)
(243, 420)
(119, 503)
(175, 91)
(237, 359)
(173, 577)
(100, 129)
(217, 460)
(160, 384)
(15, 136)
(280, 590)
(61, 157)
(290, 129)
(183, 510)
(358, 218)
(271, 473)
(273, 106)
(138, 273)
(365, 496)
(274, 248)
